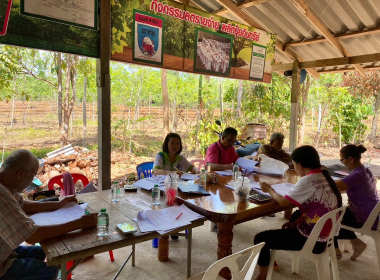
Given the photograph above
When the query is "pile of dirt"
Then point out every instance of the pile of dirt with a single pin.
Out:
(240, 62)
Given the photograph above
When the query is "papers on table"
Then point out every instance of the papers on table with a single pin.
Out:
(89, 188)
(147, 183)
(342, 172)
(164, 220)
(336, 178)
(225, 173)
(246, 163)
(145, 205)
(188, 176)
(70, 212)
(282, 188)
(157, 179)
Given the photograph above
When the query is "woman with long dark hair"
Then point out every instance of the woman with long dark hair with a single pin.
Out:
(361, 190)
(315, 194)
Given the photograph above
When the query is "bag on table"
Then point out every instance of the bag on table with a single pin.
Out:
(271, 166)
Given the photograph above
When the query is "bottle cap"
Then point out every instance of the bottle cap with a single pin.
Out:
(115, 183)
(156, 186)
(103, 210)
(203, 170)
(236, 164)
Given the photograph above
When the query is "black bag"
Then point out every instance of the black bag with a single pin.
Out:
(45, 196)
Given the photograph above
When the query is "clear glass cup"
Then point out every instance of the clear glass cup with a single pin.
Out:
(171, 188)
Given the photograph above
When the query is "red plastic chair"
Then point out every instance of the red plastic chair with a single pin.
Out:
(199, 162)
(58, 180)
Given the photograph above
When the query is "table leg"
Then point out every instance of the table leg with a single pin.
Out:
(133, 254)
(288, 213)
(63, 271)
(225, 236)
(189, 241)
(163, 248)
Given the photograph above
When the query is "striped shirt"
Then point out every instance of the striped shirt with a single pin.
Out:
(15, 227)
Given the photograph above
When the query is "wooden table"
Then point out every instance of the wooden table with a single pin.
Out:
(222, 208)
(80, 244)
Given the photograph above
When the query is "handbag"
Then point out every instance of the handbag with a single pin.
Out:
(271, 166)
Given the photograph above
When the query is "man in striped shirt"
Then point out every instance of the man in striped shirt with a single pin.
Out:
(27, 262)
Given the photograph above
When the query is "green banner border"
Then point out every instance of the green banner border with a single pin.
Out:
(228, 73)
(250, 65)
(134, 38)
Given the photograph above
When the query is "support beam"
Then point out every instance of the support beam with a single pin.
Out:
(367, 58)
(245, 4)
(294, 106)
(371, 68)
(104, 97)
(303, 7)
(312, 72)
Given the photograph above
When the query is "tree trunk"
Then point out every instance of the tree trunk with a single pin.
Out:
(375, 118)
(165, 96)
(239, 97)
(59, 90)
(199, 109)
(304, 92)
(220, 98)
(85, 112)
(137, 111)
(13, 109)
(174, 120)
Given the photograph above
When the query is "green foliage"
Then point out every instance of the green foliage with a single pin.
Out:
(39, 153)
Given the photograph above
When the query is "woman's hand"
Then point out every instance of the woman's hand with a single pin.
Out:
(179, 173)
(265, 187)
(68, 199)
(289, 225)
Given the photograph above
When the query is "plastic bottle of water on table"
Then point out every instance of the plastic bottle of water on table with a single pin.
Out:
(203, 178)
(156, 195)
(103, 223)
(235, 170)
(115, 192)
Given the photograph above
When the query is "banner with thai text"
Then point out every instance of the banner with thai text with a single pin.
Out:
(174, 36)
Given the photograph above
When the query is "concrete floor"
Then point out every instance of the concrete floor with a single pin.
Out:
(204, 254)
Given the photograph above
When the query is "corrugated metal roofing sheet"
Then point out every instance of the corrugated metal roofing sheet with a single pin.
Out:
(339, 16)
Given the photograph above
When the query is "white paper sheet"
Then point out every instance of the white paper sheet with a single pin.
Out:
(68, 213)
(89, 188)
(246, 163)
(146, 184)
(344, 173)
(336, 178)
(144, 205)
(188, 176)
(225, 173)
(145, 225)
(158, 179)
(282, 188)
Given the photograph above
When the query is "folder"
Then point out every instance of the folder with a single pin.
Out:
(193, 189)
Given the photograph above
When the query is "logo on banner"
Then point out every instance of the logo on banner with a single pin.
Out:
(148, 39)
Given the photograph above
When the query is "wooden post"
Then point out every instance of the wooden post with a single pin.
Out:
(294, 107)
(104, 97)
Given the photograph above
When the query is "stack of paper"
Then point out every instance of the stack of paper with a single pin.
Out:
(147, 183)
(188, 176)
(282, 189)
(166, 220)
(225, 173)
(246, 163)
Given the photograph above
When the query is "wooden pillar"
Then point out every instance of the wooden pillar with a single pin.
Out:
(294, 107)
(104, 97)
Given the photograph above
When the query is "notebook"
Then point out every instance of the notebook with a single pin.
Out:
(193, 189)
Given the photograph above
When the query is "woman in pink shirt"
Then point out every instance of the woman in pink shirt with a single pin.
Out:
(315, 194)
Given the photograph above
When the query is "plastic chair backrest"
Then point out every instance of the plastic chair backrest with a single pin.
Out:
(58, 180)
(145, 168)
(313, 237)
(367, 226)
(231, 262)
(198, 163)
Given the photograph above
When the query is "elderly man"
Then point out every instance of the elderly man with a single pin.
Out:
(222, 155)
(274, 149)
(27, 262)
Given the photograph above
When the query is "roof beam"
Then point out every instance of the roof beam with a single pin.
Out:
(245, 4)
(370, 68)
(367, 58)
(303, 7)
(340, 36)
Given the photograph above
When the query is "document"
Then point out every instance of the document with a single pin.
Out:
(342, 172)
(188, 176)
(158, 179)
(145, 225)
(282, 188)
(225, 173)
(144, 205)
(336, 178)
(246, 163)
(68, 213)
(146, 184)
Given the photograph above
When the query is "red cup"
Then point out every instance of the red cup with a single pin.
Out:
(171, 196)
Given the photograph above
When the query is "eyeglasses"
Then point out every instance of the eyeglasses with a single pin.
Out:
(34, 175)
(342, 159)
(231, 142)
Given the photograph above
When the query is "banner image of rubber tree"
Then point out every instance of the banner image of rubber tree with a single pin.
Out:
(148, 38)
(256, 71)
(213, 52)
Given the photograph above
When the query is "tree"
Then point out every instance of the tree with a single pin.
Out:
(239, 97)
(239, 44)
(368, 86)
(302, 109)
(58, 69)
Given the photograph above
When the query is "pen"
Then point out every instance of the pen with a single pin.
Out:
(180, 214)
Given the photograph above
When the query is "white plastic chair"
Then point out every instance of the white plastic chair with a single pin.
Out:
(198, 163)
(212, 273)
(321, 260)
(367, 229)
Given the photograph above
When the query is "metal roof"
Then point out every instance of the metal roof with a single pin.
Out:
(282, 18)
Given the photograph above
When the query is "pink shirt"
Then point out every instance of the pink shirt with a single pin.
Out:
(217, 154)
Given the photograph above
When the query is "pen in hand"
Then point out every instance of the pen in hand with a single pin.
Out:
(180, 214)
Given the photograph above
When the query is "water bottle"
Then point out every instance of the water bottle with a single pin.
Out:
(156, 195)
(103, 223)
(208, 167)
(203, 178)
(236, 171)
(115, 192)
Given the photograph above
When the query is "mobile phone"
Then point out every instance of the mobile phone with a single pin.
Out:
(126, 228)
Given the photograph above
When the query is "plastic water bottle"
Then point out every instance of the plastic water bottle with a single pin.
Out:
(115, 192)
(208, 167)
(156, 195)
(235, 170)
(103, 223)
(203, 178)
